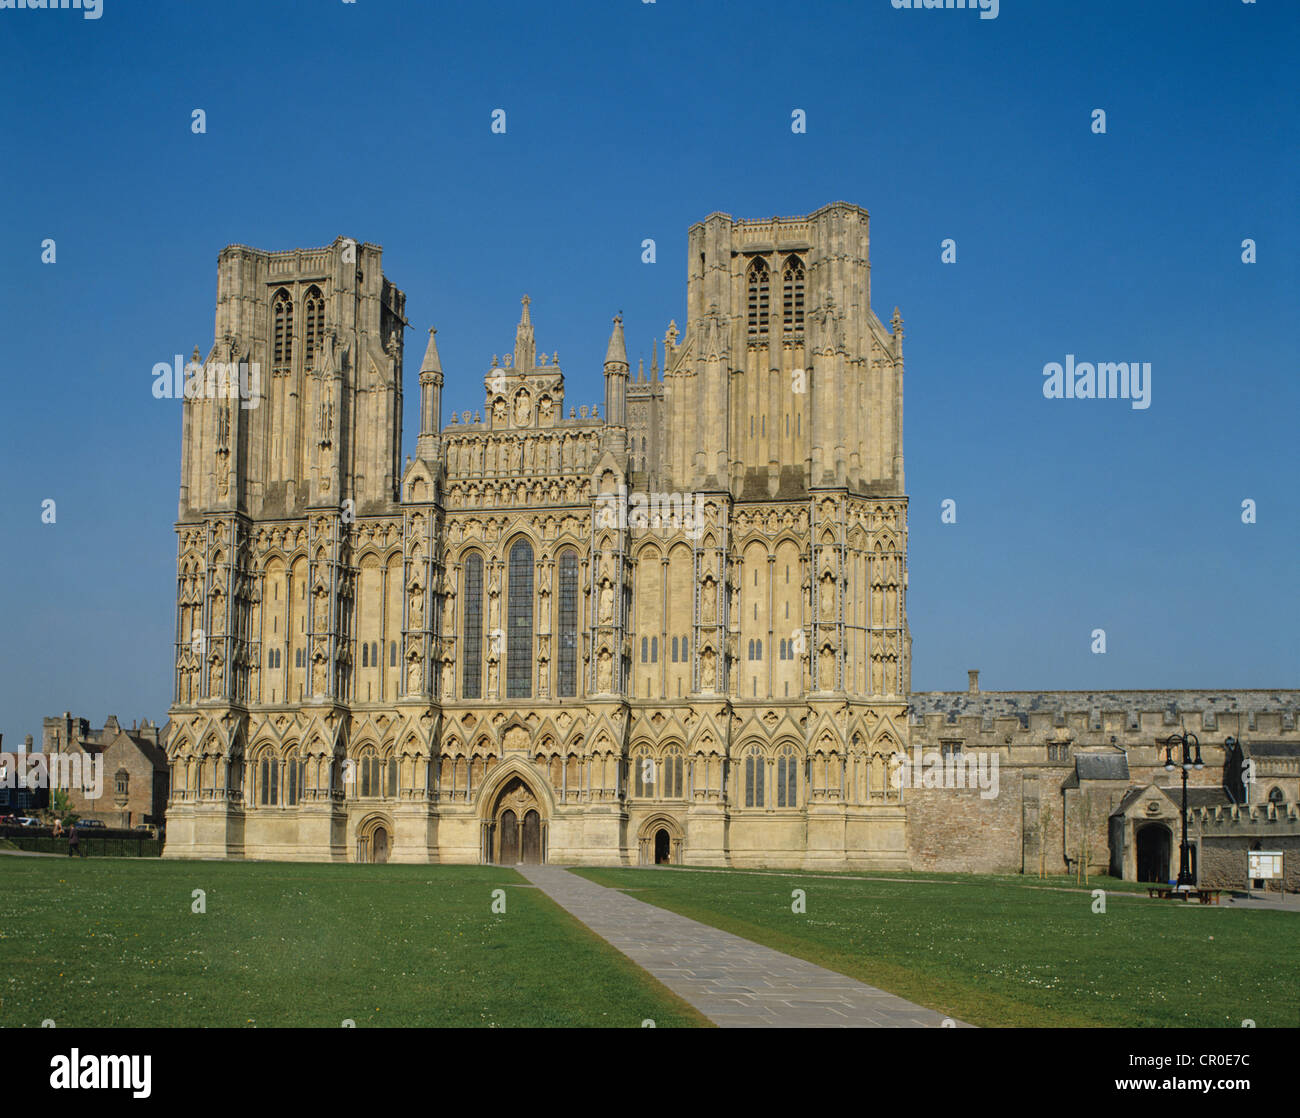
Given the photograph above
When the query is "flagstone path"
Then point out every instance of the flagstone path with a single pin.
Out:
(734, 982)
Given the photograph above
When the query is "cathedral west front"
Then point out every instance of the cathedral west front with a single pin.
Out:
(670, 629)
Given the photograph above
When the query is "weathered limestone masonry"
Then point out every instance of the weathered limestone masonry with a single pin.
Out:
(669, 629)
(1081, 777)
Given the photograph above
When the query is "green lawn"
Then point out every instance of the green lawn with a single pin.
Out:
(995, 953)
(114, 942)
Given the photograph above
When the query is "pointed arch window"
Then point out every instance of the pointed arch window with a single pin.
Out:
(754, 764)
(281, 330)
(792, 290)
(759, 290)
(787, 778)
(295, 775)
(471, 672)
(672, 769)
(313, 308)
(567, 682)
(643, 780)
(519, 623)
(268, 780)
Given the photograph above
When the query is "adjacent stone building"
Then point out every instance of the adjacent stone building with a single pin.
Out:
(672, 628)
(132, 765)
(1081, 776)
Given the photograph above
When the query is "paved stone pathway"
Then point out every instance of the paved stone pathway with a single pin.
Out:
(734, 982)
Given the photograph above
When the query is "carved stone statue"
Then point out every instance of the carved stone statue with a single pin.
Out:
(708, 677)
(318, 676)
(499, 412)
(492, 678)
(414, 677)
(547, 409)
(707, 604)
(416, 612)
(523, 409)
(604, 671)
(828, 598)
(606, 603)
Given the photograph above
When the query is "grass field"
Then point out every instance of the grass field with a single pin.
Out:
(994, 953)
(114, 942)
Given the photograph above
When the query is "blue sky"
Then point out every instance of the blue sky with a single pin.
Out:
(628, 120)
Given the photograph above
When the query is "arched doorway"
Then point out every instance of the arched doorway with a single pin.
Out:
(660, 841)
(374, 840)
(1153, 848)
(517, 832)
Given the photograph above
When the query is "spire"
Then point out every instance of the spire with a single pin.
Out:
(654, 361)
(431, 364)
(640, 370)
(525, 346)
(617, 352)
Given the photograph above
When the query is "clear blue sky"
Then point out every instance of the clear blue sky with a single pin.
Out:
(629, 120)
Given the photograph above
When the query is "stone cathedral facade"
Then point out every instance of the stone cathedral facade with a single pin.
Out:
(669, 629)
(672, 629)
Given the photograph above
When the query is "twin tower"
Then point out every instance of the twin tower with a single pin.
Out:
(784, 382)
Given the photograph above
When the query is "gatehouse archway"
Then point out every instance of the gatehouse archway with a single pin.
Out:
(1154, 844)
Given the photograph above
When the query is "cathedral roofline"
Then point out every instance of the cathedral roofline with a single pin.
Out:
(780, 218)
(282, 253)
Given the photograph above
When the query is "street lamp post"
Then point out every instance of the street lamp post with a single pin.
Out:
(1191, 759)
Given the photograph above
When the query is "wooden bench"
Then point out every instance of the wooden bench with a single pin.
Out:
(1165, 893)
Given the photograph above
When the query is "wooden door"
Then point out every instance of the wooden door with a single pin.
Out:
(532, 841)
(380, 844)
(509, 839)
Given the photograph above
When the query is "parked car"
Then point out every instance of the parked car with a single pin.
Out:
(89, 823)
(8, 820)
(29, 821)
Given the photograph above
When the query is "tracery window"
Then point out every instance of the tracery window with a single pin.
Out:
(268, 780)
(792, 286)
(519, 623)
(644, 768)
(314, 325)
(754, 765)
(471, 672)
(295, 774)
(760, 299)
(787, 778)
(567, 681)
(672, 778)
(281, 330)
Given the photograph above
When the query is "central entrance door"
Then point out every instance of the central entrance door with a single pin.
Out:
(520, 834)
(661, 847)
(530, 848)
(509, 831)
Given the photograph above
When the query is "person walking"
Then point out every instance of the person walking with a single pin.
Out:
(74, 842)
